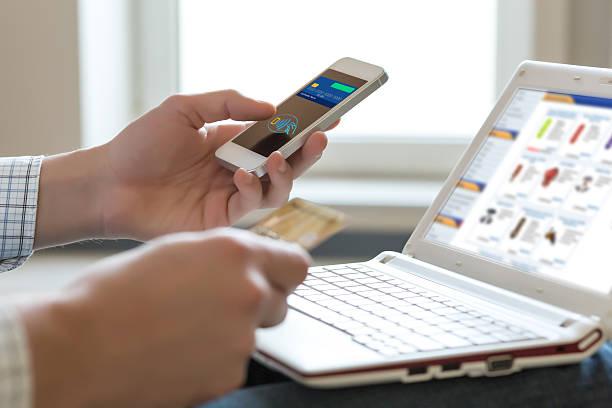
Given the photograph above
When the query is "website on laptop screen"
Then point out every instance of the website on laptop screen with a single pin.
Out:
(538, 195)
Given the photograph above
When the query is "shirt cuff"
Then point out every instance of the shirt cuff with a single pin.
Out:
(15, 376)
(19, 177)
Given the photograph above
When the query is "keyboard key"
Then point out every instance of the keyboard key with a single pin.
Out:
(477, 323)
(398, 331)
(396, 303)
(374, 307)
(467, 333)
(375, 274)
(405, 285)
(433, 305)
(335, 267)
(380, 285)
(351, 324)
(388, 351)
(317, 297)
(413, 324)
(443, 311)
(439, 321)
(451, 341)
(360, 330)
(358, 288)
(409, 309)
(392, 289)
(316, 284)
(393, 342)
(344, 271)
(346, 285)
(507, 336)
(302, 292)
(454, 326)
(405, 295)
(406, 349)
(420, 342)
(362, 268)
(360, 301)
(351, 311)
(325, 286)
(362, 338)
(335, 305)
(383, 337)
(336, 292)
(367, 281)
(424, 315)
(429, 331)
(323, 274)
(396, 281)
(375, 345)
(336, 279)
(483, 339)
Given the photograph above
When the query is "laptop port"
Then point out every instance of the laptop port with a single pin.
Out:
(417, 370)
(451, 366)
(500, 363)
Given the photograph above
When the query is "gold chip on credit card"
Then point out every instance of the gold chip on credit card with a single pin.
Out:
(302, 222)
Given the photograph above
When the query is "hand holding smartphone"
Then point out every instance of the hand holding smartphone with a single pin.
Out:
(321, 102)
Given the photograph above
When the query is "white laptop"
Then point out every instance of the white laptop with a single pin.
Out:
(510, 268)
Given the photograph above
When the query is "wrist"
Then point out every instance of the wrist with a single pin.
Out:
(70, 197)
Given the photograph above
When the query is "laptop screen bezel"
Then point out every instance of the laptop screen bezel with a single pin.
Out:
(537, 76)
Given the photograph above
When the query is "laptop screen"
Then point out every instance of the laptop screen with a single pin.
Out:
(538, 195)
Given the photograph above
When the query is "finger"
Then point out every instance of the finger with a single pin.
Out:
(274, 308)
(333, 125)
(309, 154)
(285, 265)
(247, 198)
(280, 175)
(215, 106)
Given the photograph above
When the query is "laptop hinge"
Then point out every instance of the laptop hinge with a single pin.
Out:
(386, 259)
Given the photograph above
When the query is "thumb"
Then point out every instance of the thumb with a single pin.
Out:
(219, 105)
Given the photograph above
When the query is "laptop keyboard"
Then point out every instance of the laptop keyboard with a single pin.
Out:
(394, 317)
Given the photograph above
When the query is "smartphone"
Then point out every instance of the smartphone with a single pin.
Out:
(316, 106)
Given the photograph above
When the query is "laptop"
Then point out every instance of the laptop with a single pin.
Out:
(509, 269)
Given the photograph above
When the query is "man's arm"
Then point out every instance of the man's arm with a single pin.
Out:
(160, 175)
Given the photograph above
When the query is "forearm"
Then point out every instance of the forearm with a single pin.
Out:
(70, 198)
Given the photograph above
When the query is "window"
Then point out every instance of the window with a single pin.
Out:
(447, 60)
(441, 64)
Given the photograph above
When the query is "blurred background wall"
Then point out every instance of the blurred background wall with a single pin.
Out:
(39, 77)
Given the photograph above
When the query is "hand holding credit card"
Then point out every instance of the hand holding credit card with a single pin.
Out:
(302, 222)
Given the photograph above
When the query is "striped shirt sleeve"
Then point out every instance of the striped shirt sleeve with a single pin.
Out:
(19, 178)
(18, 202)
(15, 375)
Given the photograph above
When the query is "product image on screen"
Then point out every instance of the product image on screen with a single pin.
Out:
(538, 195)
(298, 112)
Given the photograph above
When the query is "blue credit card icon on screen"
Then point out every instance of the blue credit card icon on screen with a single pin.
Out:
(326, 92)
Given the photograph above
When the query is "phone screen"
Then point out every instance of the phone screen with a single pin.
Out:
(298, 112)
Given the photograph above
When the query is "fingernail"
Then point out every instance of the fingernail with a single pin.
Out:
(318, 156)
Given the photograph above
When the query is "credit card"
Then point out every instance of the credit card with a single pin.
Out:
(302, 222)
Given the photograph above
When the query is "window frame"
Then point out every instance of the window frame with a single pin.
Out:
(149, 62)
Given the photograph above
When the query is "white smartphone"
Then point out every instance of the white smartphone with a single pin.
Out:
(316, 106)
